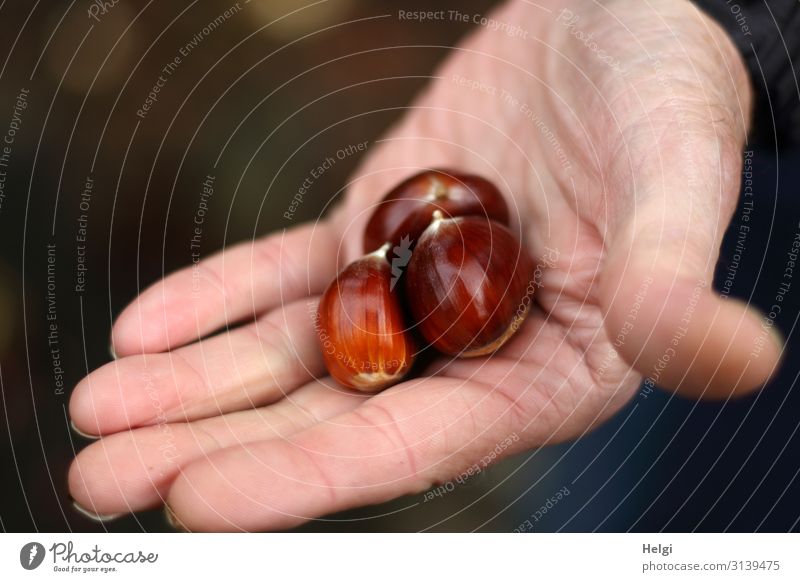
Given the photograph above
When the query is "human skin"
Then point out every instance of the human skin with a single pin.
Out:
(620, 156)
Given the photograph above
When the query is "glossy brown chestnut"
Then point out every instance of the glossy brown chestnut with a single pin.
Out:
(468, 285)
(407, 210)
(365, 341)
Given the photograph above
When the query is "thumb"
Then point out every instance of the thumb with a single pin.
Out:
(661, 312)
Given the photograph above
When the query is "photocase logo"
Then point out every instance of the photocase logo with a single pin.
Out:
(402, 254)
(31, 555)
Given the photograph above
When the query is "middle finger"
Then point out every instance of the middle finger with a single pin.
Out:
(246, 367)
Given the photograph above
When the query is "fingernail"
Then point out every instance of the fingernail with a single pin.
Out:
(173, 520)
(91, 437)
(95, 516)
(111, 351)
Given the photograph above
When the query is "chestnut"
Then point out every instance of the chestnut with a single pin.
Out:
(361, 326)
(468, 285)
(407, 210)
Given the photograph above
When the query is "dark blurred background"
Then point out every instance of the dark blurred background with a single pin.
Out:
(258, 102)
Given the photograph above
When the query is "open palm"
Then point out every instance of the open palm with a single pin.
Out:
(614, 130)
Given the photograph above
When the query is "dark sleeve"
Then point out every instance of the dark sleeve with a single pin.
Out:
(767, 33)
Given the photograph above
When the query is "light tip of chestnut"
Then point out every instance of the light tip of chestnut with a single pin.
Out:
(381, 251)
(437, 217)
(439, 189)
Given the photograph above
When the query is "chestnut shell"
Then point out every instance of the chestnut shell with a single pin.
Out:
(361, 326)
(468, 285)
(408, 208)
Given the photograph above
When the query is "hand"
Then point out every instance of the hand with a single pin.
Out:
(614, 129)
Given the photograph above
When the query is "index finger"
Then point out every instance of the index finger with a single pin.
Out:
(230, 286)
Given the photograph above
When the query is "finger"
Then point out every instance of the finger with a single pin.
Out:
(233, 285)
(249, 366)
(656, 288)
(688, 338)
(133, 470)
(399, 442)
